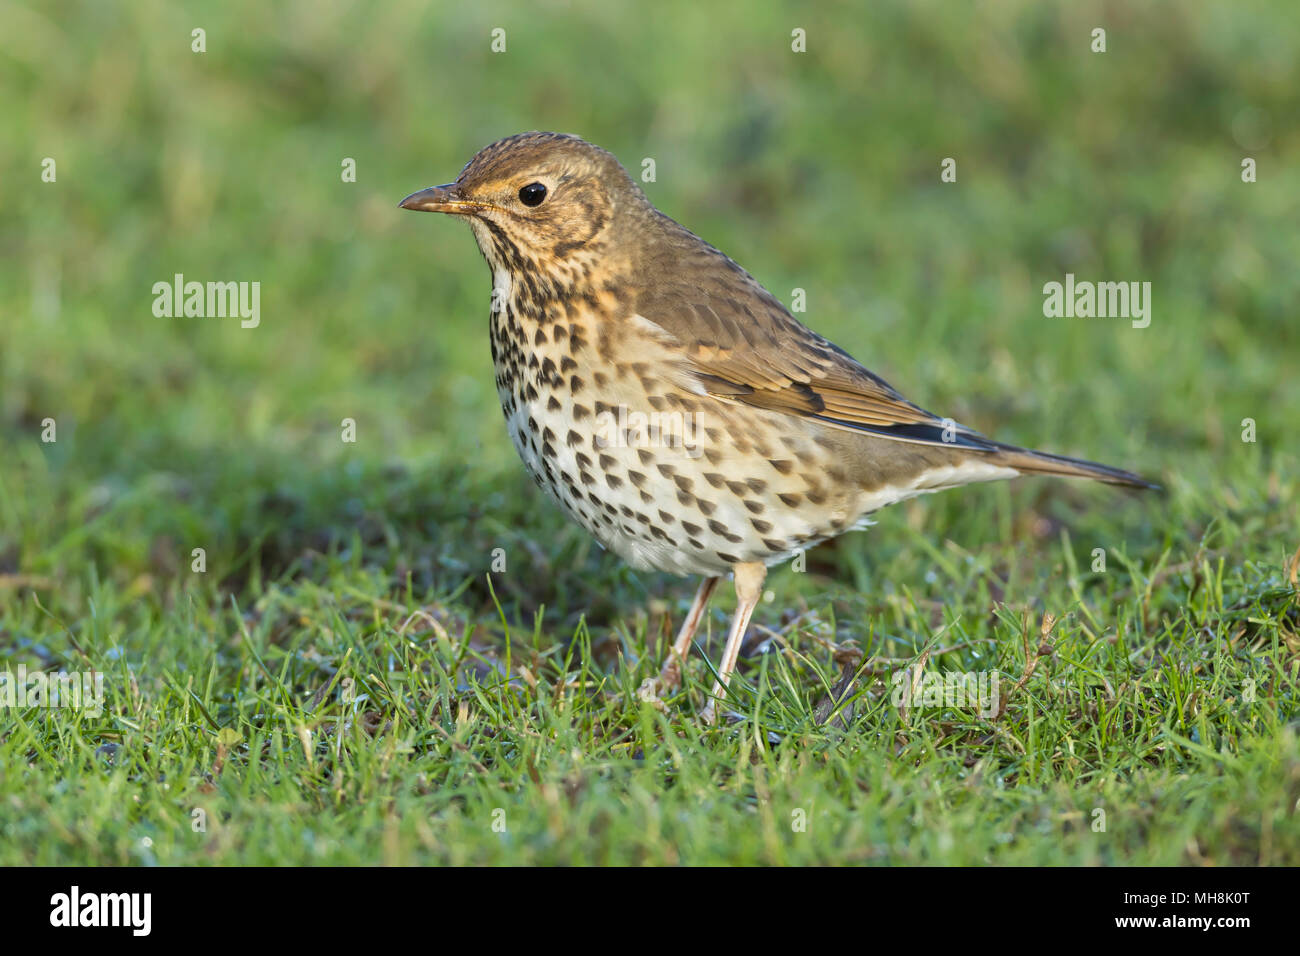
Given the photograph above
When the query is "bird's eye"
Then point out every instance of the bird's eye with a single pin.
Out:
(532, 194)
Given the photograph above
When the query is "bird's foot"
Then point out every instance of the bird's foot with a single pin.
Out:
(648, 693)
(670, 676)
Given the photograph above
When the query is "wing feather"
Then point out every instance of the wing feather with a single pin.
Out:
(742, 345)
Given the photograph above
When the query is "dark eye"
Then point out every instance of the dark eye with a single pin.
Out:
(532, 194)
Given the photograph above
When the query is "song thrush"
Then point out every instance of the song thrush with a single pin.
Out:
(669, 403)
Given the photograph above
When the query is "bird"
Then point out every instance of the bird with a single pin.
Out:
(674, 407)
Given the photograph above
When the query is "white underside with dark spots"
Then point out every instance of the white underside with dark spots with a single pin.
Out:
(697, 520)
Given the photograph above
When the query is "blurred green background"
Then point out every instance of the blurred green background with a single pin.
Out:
(816, 170)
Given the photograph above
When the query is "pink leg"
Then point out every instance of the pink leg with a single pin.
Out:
(749, 587)
(671, 675)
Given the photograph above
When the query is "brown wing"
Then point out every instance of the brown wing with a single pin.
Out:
(742, 345)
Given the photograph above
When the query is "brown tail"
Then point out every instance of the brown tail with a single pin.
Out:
(1041, 463)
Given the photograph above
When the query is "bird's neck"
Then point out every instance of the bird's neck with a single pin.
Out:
(539, 286)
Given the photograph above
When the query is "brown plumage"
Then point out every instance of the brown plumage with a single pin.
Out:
(668, 402)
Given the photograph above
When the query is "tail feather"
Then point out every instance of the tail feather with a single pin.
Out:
(1041, 463)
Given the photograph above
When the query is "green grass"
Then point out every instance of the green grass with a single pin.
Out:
(346, 682)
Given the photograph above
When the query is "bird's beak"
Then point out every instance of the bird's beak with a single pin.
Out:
(439, 199)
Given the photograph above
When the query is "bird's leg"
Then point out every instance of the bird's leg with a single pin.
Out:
(749, 587)
(671, 675)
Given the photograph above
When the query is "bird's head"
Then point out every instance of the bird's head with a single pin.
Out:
(538, 201)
